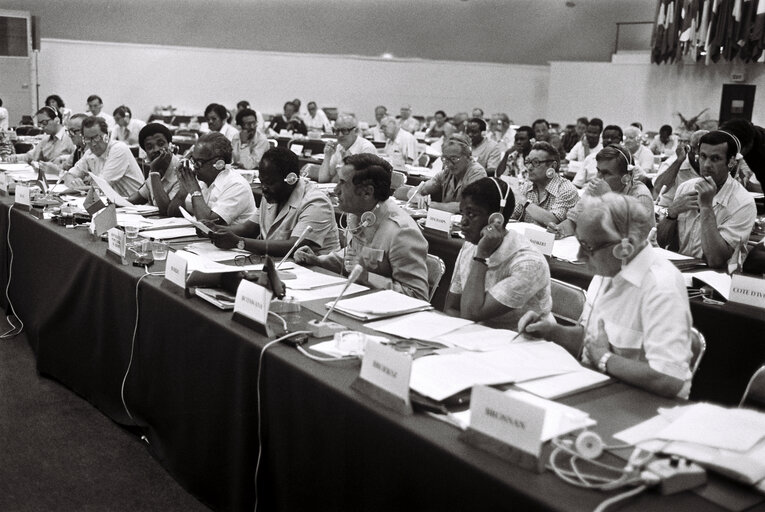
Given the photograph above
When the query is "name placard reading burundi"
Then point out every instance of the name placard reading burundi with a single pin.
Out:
(541, 239)
(117, 243)
(507, 419)
(438, 220)
(175, 269)
(252, 301)
(22, 195)
(747, 290)
(387, 369)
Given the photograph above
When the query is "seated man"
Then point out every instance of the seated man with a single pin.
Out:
(387, 242)
(636, 325)
(589, 142)
(249, 144)
(436, 127)
(292, 204)
(289, 120)
(95, 107)
(574, 135)
(664, 143)
(74, 130)
(162, 186)
(641, 155)
(246, 104)
(512, 162)
(399, 142)
(316, 119)
(547, 196)
(126, 128)
(57, 143)
(377, 133)
(349, 142)
(228, 198)
(714, 213)
(752, 140)
(460, 170)
(589, 169)
(614, 175)
(111, 160)
(485, 151)
(499, 275)
(459, 121)
(612, 134)
(542, 133)
(217, 120)
(501, 131)
(677, 169)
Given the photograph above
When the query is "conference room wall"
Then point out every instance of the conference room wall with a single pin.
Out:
(144, 76)
(621, 93)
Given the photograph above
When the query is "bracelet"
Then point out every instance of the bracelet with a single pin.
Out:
(604, 361)
(480, 260)
(196, 193)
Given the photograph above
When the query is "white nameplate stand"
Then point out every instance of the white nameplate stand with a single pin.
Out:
(251, 306)
(176, 269)
(747, 290)
(438, 222)
(104, 220)
(543, 240)
(3, 184)
(384, 377)
(297, 149)
(506, 427)
(22, 196)
(117, 242)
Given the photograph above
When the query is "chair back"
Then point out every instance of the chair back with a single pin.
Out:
(568, 301)
(28, 130)
(698, 347)
(436, 270)
(397, 179)
(378, 144)
(755, 390)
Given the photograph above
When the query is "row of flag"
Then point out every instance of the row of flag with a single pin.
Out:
(708, 29)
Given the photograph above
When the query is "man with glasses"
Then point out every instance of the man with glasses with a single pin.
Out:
(249, 144)
(485, 151)
(546, 196)
(316, 119)
(55, 145)
(641, 155)
(111, 160)
(348, 143)
(227, 197)
(460, 170)
(677, 169)
(291, 206)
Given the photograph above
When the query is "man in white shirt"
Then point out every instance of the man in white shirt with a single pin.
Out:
(348, 143)
(664, 143)
(641, 155)
(162, 186)
(501, 131)
(399, 142)
(249, 144)
(485, 151)
(681, 167)
(110, 160)
(227, 197)
(589, 169)
(95, 107)
(57, 144)
(3, 116)
(216, 115)
(404, 114)
(316, 119)
(378, 135)
(590, 142)
(126, 128)
(246, 104)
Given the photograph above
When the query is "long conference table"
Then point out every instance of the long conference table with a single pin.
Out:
(192, 389)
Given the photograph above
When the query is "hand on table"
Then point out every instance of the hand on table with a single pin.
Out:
(536, 324)
(305, 256)
(72, 181)
(596, 346)
(223, 238)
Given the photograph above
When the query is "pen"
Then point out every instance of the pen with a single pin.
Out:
(521, 332)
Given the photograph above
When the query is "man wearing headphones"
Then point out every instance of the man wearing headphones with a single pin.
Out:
(546, 196)
(227, 197)
(127, 128)
(485, 151)
(460, 170)
(636, 324)
(56, 144)
(250, 143)
(714, 213)
(292, 206)
(615, 168)
(380, 236)
(162, 186)
(499, 275)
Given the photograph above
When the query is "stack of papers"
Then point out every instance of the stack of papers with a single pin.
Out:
(382, 304)
(425, 325)
(565, 384)
(172, 233)
(207, 250)
(478, 338)
(139, 209)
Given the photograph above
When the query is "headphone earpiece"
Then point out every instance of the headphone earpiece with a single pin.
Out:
(626, 179)
(498, 218)
(220, 164)
(624, 249)
(291, 178)
(588, 445)
(550, 173)
(368, 219)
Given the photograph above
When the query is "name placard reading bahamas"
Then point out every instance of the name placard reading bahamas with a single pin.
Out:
(387, 369)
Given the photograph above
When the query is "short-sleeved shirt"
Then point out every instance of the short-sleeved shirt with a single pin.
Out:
(636, 189)
(248, 155)
(360, 145)
(735, 213)
(405, 144)
(229, 196)
(518, 277)
(451, 188)
(169, 181)
(561, 197)
(487, 154)
(50, 148)
(646, 314)
(657, 147)
(589, 170)
(685, 173)
(644, 159)
(116, 165)
(128, 135)
(229, 131)
(306, 206)
(577, 152)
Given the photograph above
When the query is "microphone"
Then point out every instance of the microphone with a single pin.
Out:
(322, 328)
(355, 273)
(300, 239)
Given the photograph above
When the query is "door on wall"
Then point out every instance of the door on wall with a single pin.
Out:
(737, 102)
(16, 84)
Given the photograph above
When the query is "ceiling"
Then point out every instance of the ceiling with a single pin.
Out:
(503, 31)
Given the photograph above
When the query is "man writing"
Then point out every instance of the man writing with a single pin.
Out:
(57, 143)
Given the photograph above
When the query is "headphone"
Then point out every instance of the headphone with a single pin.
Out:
(56, 113)
(368, 218)
(497, 218)
(292, 178)
(219, 164)
(587, 445)
(627, 178)
(738, 156)
(624, 249)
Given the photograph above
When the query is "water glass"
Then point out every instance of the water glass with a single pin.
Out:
(159, 250)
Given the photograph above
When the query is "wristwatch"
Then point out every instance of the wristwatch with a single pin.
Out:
(604, 361)
(196, 193)
(240, 244)
(480, 260)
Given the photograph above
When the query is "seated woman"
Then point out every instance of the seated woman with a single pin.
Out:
(636, 325)
(498, 275)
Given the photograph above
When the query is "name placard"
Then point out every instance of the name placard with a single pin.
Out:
(387, 369)
(175, 269)
(297, 149)
(252, 301)
(3, 182)
(22, 195)
(117, 242)
(438, 220)
(104, 220)
(541, 239)
(747, 290)
(507, 419)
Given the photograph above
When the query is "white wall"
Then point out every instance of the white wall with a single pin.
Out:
(143, 76)
(623, 93)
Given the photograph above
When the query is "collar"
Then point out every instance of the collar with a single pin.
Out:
(295, 198)
(725, 193)
(634, 271)
(59, 134)
(554, 185)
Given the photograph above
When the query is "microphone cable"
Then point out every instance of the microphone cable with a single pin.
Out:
(14, 330)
